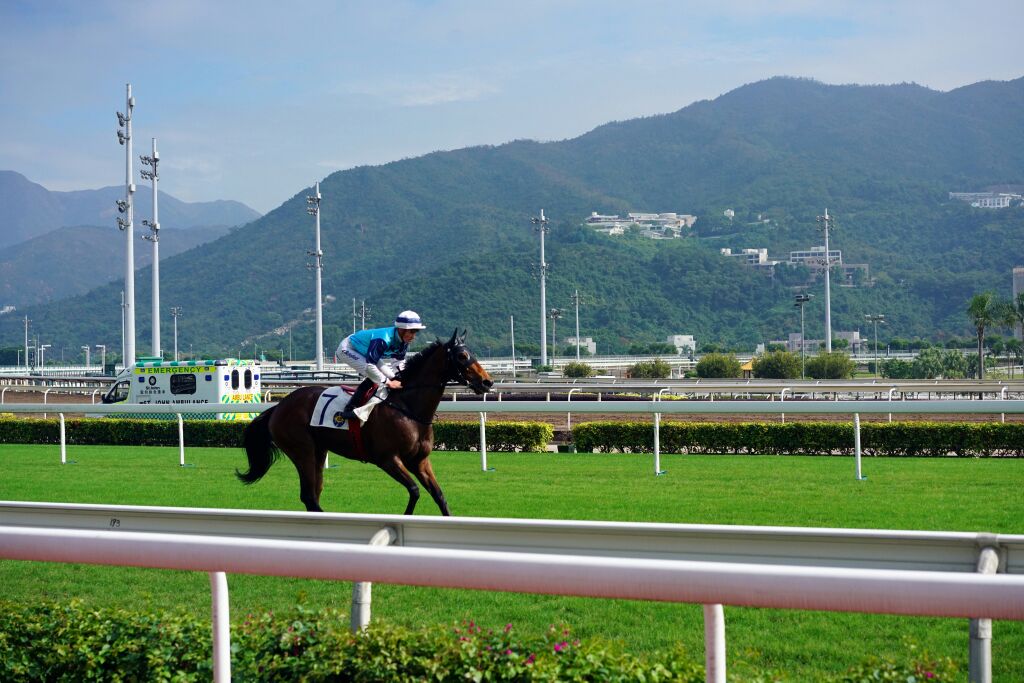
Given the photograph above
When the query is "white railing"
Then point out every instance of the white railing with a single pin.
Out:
(654, 408)
(973, 575)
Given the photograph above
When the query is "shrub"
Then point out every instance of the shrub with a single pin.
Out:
(577, 370)
(655, 369)
(777, 365)
(463, 436)
(718, 365)
(51, 642)
(896, 439)
(835, 365)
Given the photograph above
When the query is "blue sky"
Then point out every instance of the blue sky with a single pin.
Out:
(256, 100)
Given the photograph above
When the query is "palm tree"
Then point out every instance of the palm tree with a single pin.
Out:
(983, 310)
(1014, 353)
(1015, 311)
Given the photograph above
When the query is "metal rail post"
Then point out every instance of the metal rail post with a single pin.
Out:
(221, 627)
(1002, 397)
(63, 443)
(181, 441)
(362, 591)
(657, 437)
(714, 644)
(782, 398)
(856, 444)
(568, 415)
(980, 659)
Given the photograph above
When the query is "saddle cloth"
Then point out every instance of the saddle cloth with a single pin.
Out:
(332, 402)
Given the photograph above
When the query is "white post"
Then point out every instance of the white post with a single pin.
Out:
(980, 653)
(1002, 397)
(714, 644)
(657, 437)
(483, 442)
(362, 591)
(512, 331)
(181, 441)
(314, 208)
(782, 398)
(221, 627)
(127, 224)
(576, 300)
(542, 227)
(63, 442)
(856, 443)
(828, 291)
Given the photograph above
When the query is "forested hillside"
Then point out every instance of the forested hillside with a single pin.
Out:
(449, 235)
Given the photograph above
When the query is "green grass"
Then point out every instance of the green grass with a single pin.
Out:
(926, 494)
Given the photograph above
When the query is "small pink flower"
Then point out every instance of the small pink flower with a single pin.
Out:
(530, 659)
(508, 627)
(561, 646)
(929, 674)
(508, 652)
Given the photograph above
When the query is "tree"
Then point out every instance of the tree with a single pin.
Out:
(835, 365)
(897, 369)
(777, 365)
(718, 365)
(983, 312)
(1014, 353)
(655, 369)
(577, 370)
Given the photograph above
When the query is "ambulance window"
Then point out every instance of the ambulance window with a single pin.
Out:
(234, 379)
(183, 384)
(248, 379)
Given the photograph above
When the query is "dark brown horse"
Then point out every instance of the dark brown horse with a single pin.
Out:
(397, 438)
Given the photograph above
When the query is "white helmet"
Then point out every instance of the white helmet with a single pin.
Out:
(409, 320)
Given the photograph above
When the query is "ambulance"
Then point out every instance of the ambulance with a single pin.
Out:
(189, 383)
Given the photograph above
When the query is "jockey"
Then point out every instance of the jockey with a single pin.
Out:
(377, 355)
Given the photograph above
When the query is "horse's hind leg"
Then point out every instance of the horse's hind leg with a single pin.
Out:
(394, 467)
(308, 459)
(425, 473)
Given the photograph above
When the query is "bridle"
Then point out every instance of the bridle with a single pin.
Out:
(458, 360)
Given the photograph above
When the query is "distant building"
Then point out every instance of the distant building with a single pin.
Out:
(857, 345)
(657, 226)
(986, 200)
(811, 346)
(7, 309)
(755, 258)
(684, 343)
(815, 257)
(584, 343)
(729, 213)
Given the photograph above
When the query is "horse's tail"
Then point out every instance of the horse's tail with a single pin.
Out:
(259, 447)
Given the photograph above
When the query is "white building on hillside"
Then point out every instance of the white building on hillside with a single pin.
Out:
(684, 343)
(584, 343)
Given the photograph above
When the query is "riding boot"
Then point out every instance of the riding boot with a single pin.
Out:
(359, 397)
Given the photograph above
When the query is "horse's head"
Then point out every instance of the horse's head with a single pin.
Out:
(463, 366)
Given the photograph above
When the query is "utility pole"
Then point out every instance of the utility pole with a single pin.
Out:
(154, 236)
(103, 358)
(802, 299)
(86, 348)
(541, 226)
(827, 223)
(175, 313)
(123, 334)
(555, 314)
(27, 321)
(512, 331)
(576, 301)
(355, 316)
(365, 313)
(872, 318)
(126, 224)
(313, 208)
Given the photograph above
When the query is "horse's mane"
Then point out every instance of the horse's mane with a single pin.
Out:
(418, 360)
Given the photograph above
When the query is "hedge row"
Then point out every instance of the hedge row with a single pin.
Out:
(458, 436)
(899, 439)
(55, 643)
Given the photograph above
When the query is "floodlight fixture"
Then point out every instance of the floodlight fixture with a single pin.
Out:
(122, 205)
(122, 224)
(121, 137)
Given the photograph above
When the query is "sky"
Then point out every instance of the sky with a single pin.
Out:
(256, 100)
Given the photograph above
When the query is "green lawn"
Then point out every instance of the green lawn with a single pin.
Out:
(926, 494)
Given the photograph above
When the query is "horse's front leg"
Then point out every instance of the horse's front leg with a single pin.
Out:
(425, 473)
(394, 467)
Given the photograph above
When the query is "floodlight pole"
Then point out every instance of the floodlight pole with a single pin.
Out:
(826, 225)
(87, 348)
(127, 225)
(802, 299)
(872, 318)
(555, 314)
(27, 321)
(103, 357)
(175, 312)
(576, 300)
(512, 331)
(541, 226)
(313, 208)
(154, 237)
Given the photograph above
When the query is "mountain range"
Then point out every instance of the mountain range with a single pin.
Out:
(449, 234)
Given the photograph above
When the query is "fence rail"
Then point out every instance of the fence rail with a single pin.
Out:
(938, 574)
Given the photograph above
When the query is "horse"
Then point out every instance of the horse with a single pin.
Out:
(398, 436)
